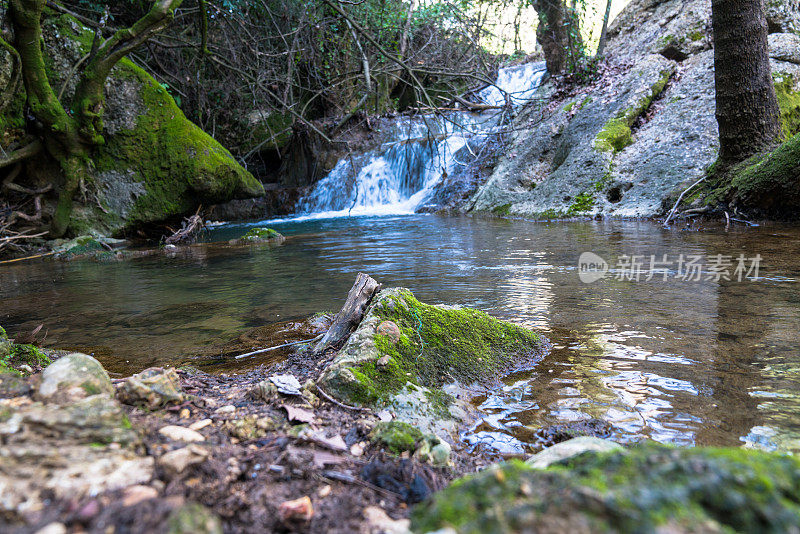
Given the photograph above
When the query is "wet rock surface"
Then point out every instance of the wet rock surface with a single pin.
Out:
(404, 366)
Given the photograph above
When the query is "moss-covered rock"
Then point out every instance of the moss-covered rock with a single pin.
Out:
(72, 374)
(789, 104)
(437, 345)
(154, 163)
(396, 436)
(643, 489)
(617, 133)
(768, 183)
(261, 235)
(193, 518)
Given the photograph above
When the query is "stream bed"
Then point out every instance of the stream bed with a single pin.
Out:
(675, 359)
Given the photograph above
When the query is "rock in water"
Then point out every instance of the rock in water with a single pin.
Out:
(261, 235)
(406, 368)
(74, 374)
(151, 388)
(647, 488)
(571, 448)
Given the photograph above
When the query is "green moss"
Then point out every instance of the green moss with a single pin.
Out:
(638, 490)
(179, 165)
(396, 436)
(20, 355)
(260, 234)
(697, 36)
(789, 103)
(569, 106)
(502, 210)
(767, 182)
(167, 163)
(437, 345)
(616, 133)
(583, 202)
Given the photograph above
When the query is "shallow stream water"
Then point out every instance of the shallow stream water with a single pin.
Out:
(704, 362)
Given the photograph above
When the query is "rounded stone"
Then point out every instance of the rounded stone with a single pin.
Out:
(75, 370)
(390, 330)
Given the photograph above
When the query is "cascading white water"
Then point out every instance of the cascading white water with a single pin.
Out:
(399, 176)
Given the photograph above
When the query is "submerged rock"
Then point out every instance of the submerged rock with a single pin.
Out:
(75, 374)
(648, 488)
(151, 388)
(436, 345)
(570, 449)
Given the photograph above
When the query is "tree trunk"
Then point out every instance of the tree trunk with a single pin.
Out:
(601, 46)
(552, 33)
(747, 109)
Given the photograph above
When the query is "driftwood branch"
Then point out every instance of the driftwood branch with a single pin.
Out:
(349, 317)
(188, 231)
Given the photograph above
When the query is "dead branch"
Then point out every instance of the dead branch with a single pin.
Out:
(188, 232)
(349, 317)
(21, 154)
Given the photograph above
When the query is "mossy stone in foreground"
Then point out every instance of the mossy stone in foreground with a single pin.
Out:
(396, 436)
(437, 345)
(641, 489)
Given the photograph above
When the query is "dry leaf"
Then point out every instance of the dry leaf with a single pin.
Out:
(298, 414)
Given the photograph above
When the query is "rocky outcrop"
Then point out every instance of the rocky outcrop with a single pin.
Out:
(76, 442)
(404, 351)
(628, 144)
(155, 164)
(647, 488)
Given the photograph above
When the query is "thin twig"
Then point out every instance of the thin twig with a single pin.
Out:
(259, 351)
(680, 197)
(340, 404)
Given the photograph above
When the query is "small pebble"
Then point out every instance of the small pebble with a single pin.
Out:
(324, 491)
(200, 425)
(229, 408)
(185, 413)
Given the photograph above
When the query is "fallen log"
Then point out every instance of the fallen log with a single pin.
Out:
(349, 317)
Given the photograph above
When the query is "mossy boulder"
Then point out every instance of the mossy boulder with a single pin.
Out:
(437, 345)
(155, 164)
(73, 375)
(647, 488)
(261, 235)
(766, 183)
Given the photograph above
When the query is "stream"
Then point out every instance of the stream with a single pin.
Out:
(679, 361)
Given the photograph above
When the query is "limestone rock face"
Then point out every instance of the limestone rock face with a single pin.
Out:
(630, 144)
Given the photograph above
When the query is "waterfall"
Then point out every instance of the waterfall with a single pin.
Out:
(400, 175)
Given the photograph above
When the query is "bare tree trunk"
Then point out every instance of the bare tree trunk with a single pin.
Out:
(552, 33)
(351, 313)
(747, 109)
(601, 46)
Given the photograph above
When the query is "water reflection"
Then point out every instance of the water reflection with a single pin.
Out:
(681, 362)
